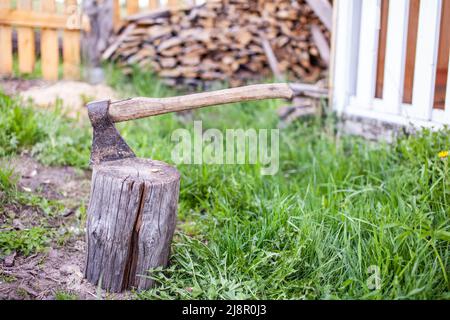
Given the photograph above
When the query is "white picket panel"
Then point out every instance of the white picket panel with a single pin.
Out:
(394, 67)
(356, 63)
(346, 52)
(426, 59)
(368, 50)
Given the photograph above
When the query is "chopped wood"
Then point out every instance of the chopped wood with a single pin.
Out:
(121, 38)
(323, 9)
(233, 40)
(311, 90)
(132, 233)
(321, 43)
(272, 59)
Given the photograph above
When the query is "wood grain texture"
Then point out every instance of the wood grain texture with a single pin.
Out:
(131, 220)
(141, 107)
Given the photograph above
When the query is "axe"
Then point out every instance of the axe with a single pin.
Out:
(133, 202)
(108, 145)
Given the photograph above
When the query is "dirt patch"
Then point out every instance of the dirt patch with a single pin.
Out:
(60, 268)
(12, 86)
(71, 96)
(42, 276)
(65, 183)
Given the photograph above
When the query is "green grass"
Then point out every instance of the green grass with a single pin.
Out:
(50, 137)
(28, 240)
(312, 231)
(19, 127)
(63, 295)
(337, 208)
(35, 74)
(25, 241)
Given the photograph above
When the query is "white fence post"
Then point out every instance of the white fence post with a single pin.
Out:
(426, 59)
(394, 67)
(368, 50)
(346, 52)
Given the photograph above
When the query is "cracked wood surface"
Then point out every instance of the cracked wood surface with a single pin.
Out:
(131, 220)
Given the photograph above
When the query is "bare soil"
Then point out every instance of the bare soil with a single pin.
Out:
(60, 267)
(70, 96)
(11, 86)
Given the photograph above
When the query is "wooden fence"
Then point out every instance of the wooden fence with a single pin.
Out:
(132, 7)
(50, 20)
(392, 60)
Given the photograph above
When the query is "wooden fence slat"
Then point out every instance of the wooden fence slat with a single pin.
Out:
(71, 46)
(132, 6)
(153, 4)
(426, 57)
(368, 51)
(394, 66)
(172, 3)
(34, 19)
(49, 46)
(25, 37)
(6, 57)
(116, 14)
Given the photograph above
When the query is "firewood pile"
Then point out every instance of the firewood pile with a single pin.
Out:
(238, 41)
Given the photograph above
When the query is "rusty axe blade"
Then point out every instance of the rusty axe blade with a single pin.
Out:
(108, 145)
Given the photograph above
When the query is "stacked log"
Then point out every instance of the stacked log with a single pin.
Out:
(224, 40)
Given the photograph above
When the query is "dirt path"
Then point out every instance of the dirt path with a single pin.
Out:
(60, 267)
(70, 96)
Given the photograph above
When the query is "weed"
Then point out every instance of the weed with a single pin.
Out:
(24, 241)
(6, 278)
(19, 126)
(63, 295)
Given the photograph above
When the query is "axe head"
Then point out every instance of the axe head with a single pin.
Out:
(107, 144)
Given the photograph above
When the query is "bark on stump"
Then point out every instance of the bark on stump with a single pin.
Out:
(131, 220)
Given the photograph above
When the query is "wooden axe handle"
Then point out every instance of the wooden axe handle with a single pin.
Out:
(141, 107)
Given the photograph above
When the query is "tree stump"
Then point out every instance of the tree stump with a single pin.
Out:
(131, 221)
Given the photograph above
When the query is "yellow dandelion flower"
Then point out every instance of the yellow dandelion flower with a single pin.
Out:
(443, 154)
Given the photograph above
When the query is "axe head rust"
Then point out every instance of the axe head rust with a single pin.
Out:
(107, 144)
